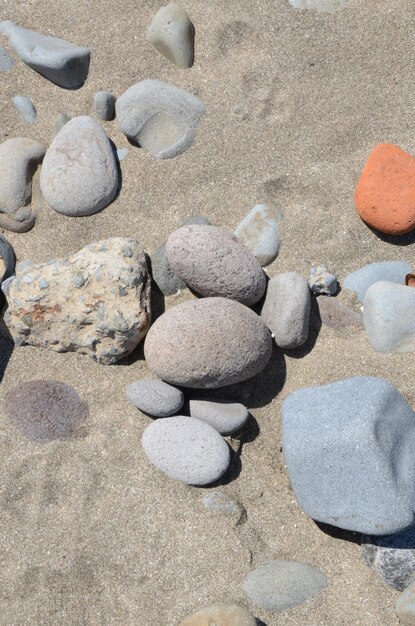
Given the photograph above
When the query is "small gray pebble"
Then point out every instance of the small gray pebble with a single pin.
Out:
(390, 271)
(392, 557)
(224, 416)
(104, 105)
(259, 232)
(60, 122)
(155, 397)
(25, 108)
(219, 502)
(322, 281)
(6, 62)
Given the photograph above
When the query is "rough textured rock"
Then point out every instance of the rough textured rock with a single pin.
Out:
(321, 281)
(348, 447)
(224, 416)
(172, 33)
(96, 302)
(104, 105)
(159, 117)
(7, 259)
(155, 397)
(337, 315)
(259, 232)
(186, 449)
(6, 62)
(389, 317)
(79, 175)
(281, 585)
(212, 262)
(385, 194)
(360, 280)
(321, 6)
(59, 61)
(405, 606)
(218, 502)
(19, 158)
(25, 108)
(44, 410)
(392, 557)
(207, 343)
(286, 309)
(221, 615)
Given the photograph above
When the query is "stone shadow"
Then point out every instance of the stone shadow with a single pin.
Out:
(339, 533)
(6, 348)
(396, 240)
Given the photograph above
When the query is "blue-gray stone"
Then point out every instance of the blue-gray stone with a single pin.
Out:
(104, 105)
(6, 62)
(349, 448)
(25, 108)
(259, 232)
(392, 557)
(389, 317)
(281, 585)
(8, 257)
(321, 281)
(155, 397)
(390, 271)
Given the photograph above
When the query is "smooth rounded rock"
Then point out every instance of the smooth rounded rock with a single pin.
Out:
(224, 416)
(392, 557)
(405, 606)
(172, 33)
(221, 615)
(360, 280)
(25, 108)
(389, 317)
(160, 117)
(286, 309)
(259, 232)
(385, 194)
(155, 397)
(79, 174)
(281, 585)
(186, 449)
(208, 343)
(104, 105)
(212, 262)
(45, 410)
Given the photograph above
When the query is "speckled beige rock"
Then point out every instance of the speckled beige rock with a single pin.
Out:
(96, 302)
(172, 33)
(221, 615)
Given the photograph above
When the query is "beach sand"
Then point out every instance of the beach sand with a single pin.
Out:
(90, 532)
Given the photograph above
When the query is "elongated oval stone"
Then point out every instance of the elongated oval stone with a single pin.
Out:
(172, 33)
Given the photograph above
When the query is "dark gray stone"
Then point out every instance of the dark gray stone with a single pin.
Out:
(104, 105)
(392, 557)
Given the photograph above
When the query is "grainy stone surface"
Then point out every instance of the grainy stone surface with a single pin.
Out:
(337, 315)
(224, 416)
(172, 33)
(321, 281)
(96, 302)
(155, 397)
(186, 449)
(44, 410)
(79, 175)
(212, 262)
(25, 108)
(104, 105)
(259, 232)
(360, 280)
(348, 449)
(221, 615)
(207, 343)
(405, 606)
(218, 502)
(392, 557)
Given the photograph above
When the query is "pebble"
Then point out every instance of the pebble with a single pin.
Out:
(390, 271)
(385, 193)
(155, 397)
(59, 61)
(218, 502)
(322, 281)
(207, 343)
(388, 317)
(19, 157)
(281, 585)
(81, 159)
(45, 410)
(122, 153)
(7, 259)
(60, 122)
(212, 262)
(392, 557)
(405, 606)
(337, 315)
(221, 615)
(104, 105)
(359, 435)
(224, 416)
(6, 62)
(25, 108)
(286, 309)
(259, 232)
(172, 33)
(186, 449)
(160, 117)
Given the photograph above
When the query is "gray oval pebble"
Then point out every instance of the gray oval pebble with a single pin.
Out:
(25, 108)
(259, 232)
(104, 105)
(186, 449)
(155, 397)
(224, 416)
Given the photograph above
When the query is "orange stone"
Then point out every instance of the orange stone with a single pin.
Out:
(385, 194)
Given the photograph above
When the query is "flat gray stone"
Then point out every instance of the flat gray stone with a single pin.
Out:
(212, 262)
(348, 447)
(25, 108)
(281, 585)
(59, 61)
(392, 557)
(259, 232)
(160, 117)
(286, 309)
(207, 343)
(405, 606)
(186, 449)
(224, 416)
(389, 317)
(172, 33)
(79, 175)
(320, 6)
(155, 397)
(6, 62)
(321, 281)
(389, 271)
(104, 105)
(337, 315)
(218, 502)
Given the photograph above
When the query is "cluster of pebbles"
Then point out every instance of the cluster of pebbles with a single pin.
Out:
(97, 302)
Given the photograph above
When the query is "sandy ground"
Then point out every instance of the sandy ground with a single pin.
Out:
(90, 533)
